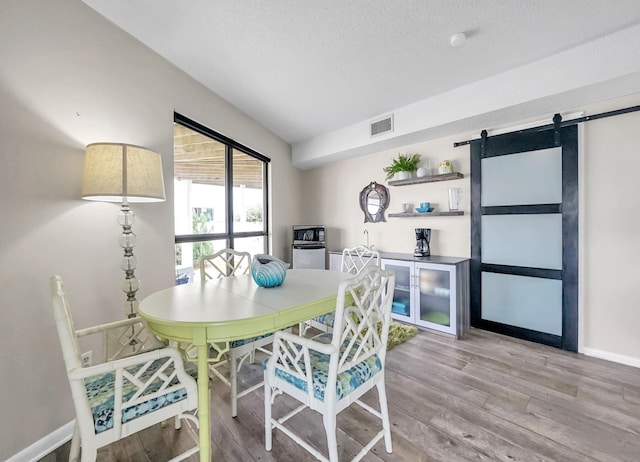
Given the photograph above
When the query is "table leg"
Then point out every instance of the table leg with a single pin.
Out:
(203, 403)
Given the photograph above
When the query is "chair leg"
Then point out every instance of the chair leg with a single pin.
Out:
(74, 451)
(89, 454)
(329, 421)
(233, 376)
(267, 414)
(384, 411)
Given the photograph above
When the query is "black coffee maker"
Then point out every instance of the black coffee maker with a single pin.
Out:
(423, 236)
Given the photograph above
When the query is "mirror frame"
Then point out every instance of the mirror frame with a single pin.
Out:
(383, 194)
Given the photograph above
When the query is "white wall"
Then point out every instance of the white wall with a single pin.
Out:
(332, 198)
(611, 229)
(68, 78)
(610, 223)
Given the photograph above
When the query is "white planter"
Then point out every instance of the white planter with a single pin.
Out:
(403, 175)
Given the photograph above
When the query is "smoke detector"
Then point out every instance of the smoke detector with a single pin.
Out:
(458, 39)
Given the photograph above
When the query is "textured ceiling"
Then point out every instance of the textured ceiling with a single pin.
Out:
(304, 68)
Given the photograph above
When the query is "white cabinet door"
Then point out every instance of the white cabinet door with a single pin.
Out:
(335, 261)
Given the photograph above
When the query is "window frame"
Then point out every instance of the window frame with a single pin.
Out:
(230, 146)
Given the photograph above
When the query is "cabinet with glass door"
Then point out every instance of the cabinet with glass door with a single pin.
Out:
(430, 295)
(402, 305)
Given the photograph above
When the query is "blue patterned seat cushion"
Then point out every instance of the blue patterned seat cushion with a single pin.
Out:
(347, 381)
(237, 343)
(101, 393)
(326, 319)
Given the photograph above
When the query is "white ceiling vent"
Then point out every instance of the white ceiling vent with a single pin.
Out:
(381, 126)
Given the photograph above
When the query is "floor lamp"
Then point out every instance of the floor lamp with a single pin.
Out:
(115, 172)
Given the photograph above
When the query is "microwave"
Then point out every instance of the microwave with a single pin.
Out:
(308, 235)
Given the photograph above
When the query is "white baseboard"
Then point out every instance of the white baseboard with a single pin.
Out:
(616, 358)
(45, 445)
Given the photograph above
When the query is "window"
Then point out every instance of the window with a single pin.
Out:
(220, 196)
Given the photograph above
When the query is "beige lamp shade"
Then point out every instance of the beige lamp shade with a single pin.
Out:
(115, 172)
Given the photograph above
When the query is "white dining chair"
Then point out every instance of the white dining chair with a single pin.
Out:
(329, 372)
(120, 397)
(354, 260)
(225, 263)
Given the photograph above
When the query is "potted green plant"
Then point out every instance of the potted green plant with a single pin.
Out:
(403, 163)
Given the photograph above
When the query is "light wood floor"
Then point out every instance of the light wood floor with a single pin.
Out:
(484, 398)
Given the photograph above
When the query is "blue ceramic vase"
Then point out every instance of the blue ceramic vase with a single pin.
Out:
(268, 271)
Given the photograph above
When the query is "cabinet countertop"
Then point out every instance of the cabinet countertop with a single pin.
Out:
(443, 260)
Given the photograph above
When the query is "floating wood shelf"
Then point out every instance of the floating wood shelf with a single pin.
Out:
(427, 179)
(428, 214)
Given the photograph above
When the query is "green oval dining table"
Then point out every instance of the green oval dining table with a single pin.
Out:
(221, 310)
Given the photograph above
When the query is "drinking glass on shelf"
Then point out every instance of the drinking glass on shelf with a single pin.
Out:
(455, 195)
(406, 207)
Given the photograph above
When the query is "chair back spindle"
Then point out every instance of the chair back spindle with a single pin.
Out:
(357, 258)
(224, 263)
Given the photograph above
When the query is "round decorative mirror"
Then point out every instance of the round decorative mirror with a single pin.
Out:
(374, 200)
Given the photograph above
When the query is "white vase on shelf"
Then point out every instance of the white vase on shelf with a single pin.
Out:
(402, 175)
